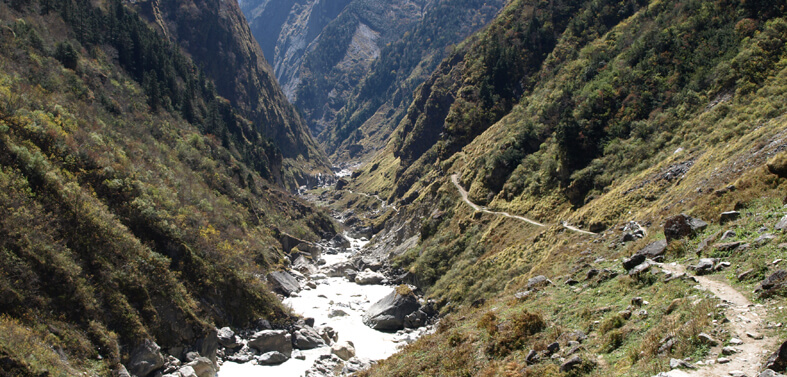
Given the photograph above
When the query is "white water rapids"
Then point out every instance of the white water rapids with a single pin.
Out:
(330, 294)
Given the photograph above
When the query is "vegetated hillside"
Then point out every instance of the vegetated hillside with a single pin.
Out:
(372, 110)
(129, 211)
(596, 113)
(216, 36)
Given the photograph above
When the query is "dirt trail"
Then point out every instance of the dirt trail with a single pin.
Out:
(463, 193)
(746, 319)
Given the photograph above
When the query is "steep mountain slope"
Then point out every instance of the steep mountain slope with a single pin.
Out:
(215, 35)
(594, 114)
(131, 210)
(351, 67)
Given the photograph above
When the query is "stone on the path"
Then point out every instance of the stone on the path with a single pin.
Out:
(388, 313)
(283, 283)
(272, 340)
(271, 358)
(728, 351)
(345, 350)
(681, 226)
(704, 266)
(778, 360)
(736, 341)
(678, 363)
(368, 277)
(754, 335)
(728, 216)
(737, 373)
(723, 360)
(707, 339)
(571, 364)
(146, 358)
(307, 338)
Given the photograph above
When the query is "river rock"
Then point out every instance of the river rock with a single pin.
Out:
(187, 371)
(307, 338)
(283, 283)
(335, 312)
(326, 365)
(271, 358)
(770, 373)
(146, 358)
(304, 266)
(368, 277)
(339, 269)
(227, 338)
(272, 340)
(340, 241)
(355, 365)
(203, 367)
(345, 350)
(388, 314)
(680, 226)
(415, 319)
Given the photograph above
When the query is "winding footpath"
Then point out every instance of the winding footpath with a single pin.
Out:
(463, 193)
(746, 324)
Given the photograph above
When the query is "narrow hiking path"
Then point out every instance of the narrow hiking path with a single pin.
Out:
(463, 193)
(746, 324)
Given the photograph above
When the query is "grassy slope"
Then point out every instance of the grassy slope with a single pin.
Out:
(119, 223)
(714, 78)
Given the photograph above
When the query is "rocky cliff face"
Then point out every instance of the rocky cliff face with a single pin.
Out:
(351, 67)
(216, 35)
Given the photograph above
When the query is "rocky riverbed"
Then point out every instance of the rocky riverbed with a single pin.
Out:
(343, 300)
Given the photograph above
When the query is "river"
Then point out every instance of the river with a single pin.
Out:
(329, 295)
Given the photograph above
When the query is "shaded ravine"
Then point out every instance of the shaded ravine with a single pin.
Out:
(746, 324)
(463, 193)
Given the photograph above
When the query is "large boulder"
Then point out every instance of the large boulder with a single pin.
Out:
(145, 359)
(283, 283)
(388, 314)
(307, 338)
(681, 226)
(272, 340)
